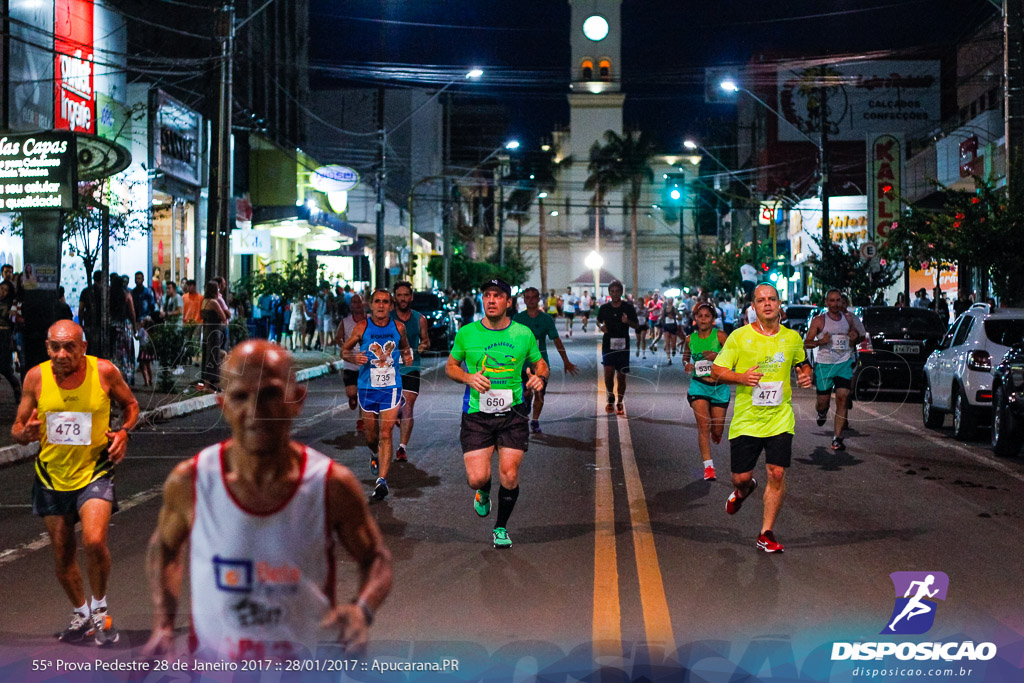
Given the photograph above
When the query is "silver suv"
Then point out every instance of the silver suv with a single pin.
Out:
(958, 374)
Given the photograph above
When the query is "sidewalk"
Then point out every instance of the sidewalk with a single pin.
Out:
(155, 405)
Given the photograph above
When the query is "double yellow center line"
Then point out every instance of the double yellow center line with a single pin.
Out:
(607, 631)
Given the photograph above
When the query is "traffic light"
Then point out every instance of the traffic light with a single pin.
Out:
(674, 192)
(414, 260)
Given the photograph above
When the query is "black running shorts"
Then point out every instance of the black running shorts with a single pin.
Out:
(745, 451)
(49, 503)
(507, 430)
(350, 377)
(617, 359)
(411, 381)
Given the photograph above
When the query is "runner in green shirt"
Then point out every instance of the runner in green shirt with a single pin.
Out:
(494, 351)
(543, 327)
(758, 358)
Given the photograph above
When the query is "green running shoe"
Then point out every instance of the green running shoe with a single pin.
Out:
(482, 503)
(501, 539)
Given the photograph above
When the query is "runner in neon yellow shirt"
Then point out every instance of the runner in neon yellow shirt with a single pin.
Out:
(758, 358)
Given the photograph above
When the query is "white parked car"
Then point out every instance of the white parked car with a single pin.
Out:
(958, 374)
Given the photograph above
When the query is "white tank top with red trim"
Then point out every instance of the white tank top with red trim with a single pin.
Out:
(260, 583)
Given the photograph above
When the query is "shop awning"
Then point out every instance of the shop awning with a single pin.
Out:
(271, 214)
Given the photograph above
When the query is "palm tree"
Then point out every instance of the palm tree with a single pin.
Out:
(628, 158)
(602, 177)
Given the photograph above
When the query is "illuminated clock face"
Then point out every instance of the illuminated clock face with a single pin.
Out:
(595, 27)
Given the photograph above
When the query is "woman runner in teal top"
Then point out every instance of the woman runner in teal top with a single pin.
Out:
(708, 400)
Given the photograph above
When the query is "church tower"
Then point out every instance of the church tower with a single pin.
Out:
(595, 100)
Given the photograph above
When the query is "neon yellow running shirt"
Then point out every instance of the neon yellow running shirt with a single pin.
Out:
(765, 410)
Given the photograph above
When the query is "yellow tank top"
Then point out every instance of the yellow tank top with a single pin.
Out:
(73, 447)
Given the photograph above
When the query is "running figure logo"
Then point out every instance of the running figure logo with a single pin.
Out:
(383, 354)
(914, 612)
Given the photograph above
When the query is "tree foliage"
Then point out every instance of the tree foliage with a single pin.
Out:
(718, 269)
(982, 229)
(83, 227)
(287, 279)
(840, 266)
(468, 274)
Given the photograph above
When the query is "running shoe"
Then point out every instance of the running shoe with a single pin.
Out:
(359, 425)
(735, 501)
(380, 491)
(401, 455)
(620, 409)
(535, 427)
(78, 630)
(767, 543)
(670, 360)
(103, 625)
(482, 503)
(709, 473)
(374, 465)
(822, 416)
(837, 444)
(501, 539)
(609, 408)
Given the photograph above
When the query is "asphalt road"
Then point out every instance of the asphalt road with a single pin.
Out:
(624, 560)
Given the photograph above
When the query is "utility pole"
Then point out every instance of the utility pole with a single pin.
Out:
(826, 234)
(1013, 77)
(446, 190)
(501, 219)
(218, 232)
(382, 155)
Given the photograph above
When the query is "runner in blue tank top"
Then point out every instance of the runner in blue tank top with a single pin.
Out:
(378, 345)
(419, 340)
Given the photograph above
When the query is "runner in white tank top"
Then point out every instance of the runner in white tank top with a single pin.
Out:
(262, 514)
(266, 599)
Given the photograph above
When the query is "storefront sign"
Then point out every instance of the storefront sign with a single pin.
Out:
(250, 241)
(75, 105)
(770, 212)
(38, 172)
(947, 280)
(885, 156)
(112, 120)
(334, 179)
(870, 96)
(176, 135)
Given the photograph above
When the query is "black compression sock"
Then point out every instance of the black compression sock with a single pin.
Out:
(486, 488)
(506, 502)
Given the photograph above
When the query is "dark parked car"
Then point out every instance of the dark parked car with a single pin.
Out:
(1008, 403)
(798, 316)
(898, 342)
(441, 322)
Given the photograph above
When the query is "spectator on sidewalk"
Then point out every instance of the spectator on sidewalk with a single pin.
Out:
(144, 300)
(172, 307)
(7, 338)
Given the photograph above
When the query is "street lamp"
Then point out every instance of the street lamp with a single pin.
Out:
(730, 85)
(382, 134)
(594, 261)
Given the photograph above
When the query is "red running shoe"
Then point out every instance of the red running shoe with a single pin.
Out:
(735, 501)
(709, 473)
(767, 543)
(400, 455)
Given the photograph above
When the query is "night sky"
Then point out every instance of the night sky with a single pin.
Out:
(523, 45)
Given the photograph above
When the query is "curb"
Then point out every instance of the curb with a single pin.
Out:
(18, 453)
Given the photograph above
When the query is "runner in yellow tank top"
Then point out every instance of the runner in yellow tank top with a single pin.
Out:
(66, 407)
